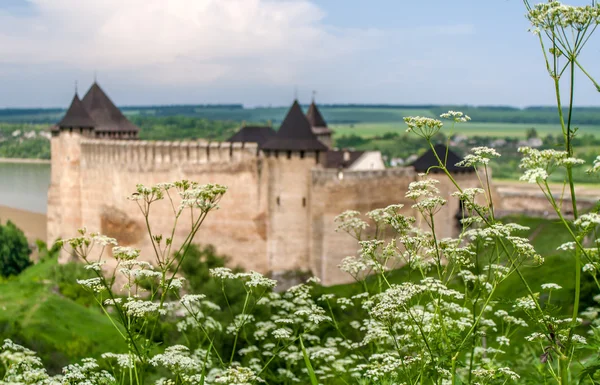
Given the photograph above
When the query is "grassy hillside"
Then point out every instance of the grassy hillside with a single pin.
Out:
(34, 313)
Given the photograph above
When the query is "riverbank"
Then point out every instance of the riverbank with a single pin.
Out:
(25, 160)
(32, 224)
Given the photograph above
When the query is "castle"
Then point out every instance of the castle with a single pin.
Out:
(285, 187)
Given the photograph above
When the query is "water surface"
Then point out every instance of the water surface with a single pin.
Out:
(24, 186)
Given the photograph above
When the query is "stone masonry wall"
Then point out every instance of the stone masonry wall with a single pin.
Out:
(334, 192)
(110, 170)
(278, 214)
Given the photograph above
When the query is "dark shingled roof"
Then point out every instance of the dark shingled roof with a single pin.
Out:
(314, 116)
(425, 161)
(253, 134)
(76, 116)
(295, 134)
(335, 159)
(104, 112)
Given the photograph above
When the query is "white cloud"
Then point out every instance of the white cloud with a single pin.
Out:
(178, 41)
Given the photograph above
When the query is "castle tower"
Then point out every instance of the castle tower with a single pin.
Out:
(64, 194)
(318, 125)
(290, 156)
(94, 116)
(110, 121)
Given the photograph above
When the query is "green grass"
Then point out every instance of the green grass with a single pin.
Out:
(369, 130)
(61, 331)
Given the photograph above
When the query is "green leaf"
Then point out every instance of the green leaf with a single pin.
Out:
(311, 372)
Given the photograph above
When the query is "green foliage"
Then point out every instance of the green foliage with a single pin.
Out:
(531, 133)
(65, 277)
(35, 314)
(14, 250)
(182, 127)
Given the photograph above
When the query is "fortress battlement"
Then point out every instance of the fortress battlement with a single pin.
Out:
(97, 152)
(323, 176)
(285, 188)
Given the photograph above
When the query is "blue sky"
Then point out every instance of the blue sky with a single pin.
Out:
(257, 52)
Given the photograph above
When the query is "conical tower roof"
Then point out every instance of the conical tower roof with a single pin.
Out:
(76, 115)
(295, 133)
(104, 112)
(314, 116)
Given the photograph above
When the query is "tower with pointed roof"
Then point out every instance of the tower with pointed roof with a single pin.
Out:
(96, 116)
(318, 125)
(290, 155)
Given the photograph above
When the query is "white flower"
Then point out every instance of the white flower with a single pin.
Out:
(350, 222)
(222, 273)
(456, 116)
(204, 197)
(125, 253)
(423, 127)
(551, 286)
(480, 155)
(566, 246)
(191, 299)
(596, 166)
(94, 284)
(422, 188)
(282, 333)
(588, 267)
(139, 308)
(534, 175)
(238, 375)
(588, 220)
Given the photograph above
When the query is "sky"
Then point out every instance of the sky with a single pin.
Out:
(266, 52)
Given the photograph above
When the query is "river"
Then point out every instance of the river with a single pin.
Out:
(24, 186)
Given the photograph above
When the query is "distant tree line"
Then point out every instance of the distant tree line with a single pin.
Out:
(333, 113)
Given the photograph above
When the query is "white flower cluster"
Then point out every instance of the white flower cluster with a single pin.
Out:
(88, 372)
(588, 221)
(22, 366)
(147, 194)
(547, 16)
(350, 222)
(125, 253)
(124, 361)
(456, 116)
(479, 155)
(204, 197)
(423, 127)
(551, 286)
(425, 188)
(139, 308)
(251, 280)
(238, 375)
(539, 164)
(93, 284)
(595, 167)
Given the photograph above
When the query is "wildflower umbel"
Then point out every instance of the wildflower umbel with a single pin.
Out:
(423, 127)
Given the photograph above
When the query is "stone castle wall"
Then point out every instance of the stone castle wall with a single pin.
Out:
(107, 172)
(278, 214)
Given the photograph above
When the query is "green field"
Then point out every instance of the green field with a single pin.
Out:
(369, 130)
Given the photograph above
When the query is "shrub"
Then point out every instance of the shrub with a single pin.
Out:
(14, 250)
